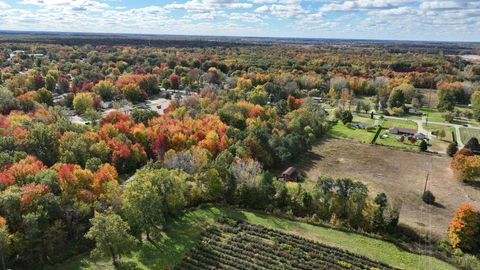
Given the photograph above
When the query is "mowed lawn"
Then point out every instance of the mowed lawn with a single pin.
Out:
(341, 131)
(391, 123)
(448, 131)
(468, 133)
(184, 234)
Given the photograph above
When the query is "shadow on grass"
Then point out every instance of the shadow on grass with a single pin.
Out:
(438, 205)
(181, 236)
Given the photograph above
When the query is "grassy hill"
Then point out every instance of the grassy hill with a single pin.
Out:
(185, 233)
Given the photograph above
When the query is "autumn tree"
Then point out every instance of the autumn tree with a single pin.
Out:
(105, 89)
(111, 235)
(465, 165)
(463, 231)
(82, 102)
(133, 93)
(174, 81)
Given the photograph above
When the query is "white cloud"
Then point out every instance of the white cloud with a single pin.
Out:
(203, 5)
(283, 11)
(4, 5)
(449, 5)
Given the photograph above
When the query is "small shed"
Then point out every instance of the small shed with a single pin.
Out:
(290, 174)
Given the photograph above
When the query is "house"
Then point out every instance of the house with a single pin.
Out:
(290, 174)
(402, 131)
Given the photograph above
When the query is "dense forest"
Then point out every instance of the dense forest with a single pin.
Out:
(234, 116)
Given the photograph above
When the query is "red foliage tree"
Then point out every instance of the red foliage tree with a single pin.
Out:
(32, 192)
(174, 81)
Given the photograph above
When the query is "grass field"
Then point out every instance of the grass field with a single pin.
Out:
(468, 133)
(389, 123)
(448, 130)
(185, 233)
(392, 140)
(341, 131)
(433, 114)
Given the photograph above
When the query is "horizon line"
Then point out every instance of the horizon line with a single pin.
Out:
(230, 36)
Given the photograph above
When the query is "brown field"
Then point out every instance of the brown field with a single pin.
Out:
(398, 173)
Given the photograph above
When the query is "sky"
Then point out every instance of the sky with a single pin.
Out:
(436, 20)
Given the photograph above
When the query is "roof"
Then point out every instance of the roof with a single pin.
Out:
(404, 130)
(290, 171)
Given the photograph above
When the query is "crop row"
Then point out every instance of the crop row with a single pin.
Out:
(241, 245)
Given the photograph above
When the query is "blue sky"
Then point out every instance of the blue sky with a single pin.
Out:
(447, 20)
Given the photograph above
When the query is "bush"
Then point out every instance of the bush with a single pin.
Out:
(428, 197)
(468, 262)
(423, 146)
(346, 117)
(452, 149)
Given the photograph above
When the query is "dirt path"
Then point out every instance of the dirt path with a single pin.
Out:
(398, 173)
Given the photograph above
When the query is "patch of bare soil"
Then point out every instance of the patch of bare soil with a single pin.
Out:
(400, 174)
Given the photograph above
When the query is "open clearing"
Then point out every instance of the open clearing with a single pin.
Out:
(400, 174)
(185, 233)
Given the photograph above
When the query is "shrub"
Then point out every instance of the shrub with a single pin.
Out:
(428, 197)
(346, 117)
(423, 146)
(468, 262)
(452, 149)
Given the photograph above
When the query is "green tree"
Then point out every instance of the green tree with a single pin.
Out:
(396, 99)
(150, 85)
(44, 96)
(82, 102)
(143, 116)
(75, 148)
(423, 146)
(452, 149)
(408, 91)
(43, 143)
(4, 245)
(346, 117)
(151, 197)
(259, 97)
(92, 115)
(111, 235)
(214, 185)
(446, 100)
(50, 82)
(133, 93)
(105, 89)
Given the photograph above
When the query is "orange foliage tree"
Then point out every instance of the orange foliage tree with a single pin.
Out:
(465, 165)
(463, 232)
